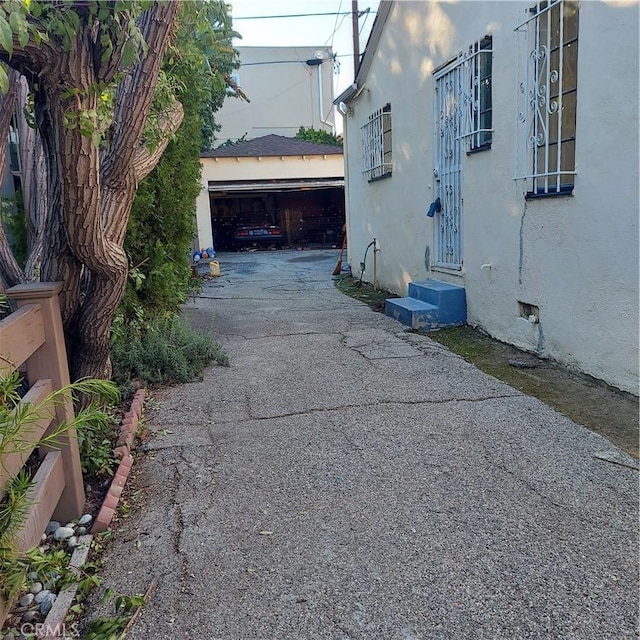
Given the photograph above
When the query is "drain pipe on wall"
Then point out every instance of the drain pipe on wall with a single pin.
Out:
(363, 264)
(375, 264)
(317, 61)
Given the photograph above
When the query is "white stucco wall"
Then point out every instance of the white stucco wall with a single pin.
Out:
(283, 91)
(576, 258)
(263, 168)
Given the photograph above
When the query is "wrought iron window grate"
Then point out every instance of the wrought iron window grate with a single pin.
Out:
(471, 73)
(547, 94)
(376, 145)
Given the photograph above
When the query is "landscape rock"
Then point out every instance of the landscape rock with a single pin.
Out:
(36, 587)
(29, 616)
(52, 527)
(85, 519)
(63, 533)
(42, 595)
(27, 600)
(47, 603)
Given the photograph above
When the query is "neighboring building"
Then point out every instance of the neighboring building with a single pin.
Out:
(288, 88)
(447, 96)
(269, 175)
(292, 183)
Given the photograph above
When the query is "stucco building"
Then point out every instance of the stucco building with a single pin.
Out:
(267, 175)
(288, 88)
(494, 146)
(295, 184)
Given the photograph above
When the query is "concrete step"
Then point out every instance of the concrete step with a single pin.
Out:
(449, 298)
(413, 313)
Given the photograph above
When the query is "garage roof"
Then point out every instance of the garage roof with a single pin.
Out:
(273, 145)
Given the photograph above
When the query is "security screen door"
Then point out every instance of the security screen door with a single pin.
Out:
(448, 150)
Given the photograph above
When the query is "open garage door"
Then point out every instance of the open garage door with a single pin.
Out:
(308, 212)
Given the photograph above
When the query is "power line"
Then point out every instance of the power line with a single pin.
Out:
(297, 15)
(335, 26)
(336, 30)
(366, 12)
(252, 64)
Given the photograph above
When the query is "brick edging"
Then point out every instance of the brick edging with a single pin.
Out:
(122, 451)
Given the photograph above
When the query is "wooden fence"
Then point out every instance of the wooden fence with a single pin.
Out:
(33, 336)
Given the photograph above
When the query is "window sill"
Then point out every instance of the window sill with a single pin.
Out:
(480, 149)
(568, 193)
(382, 177)
(449, 270)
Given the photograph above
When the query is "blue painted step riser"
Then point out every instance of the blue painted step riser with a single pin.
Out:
(419, 320)
(416, 319)
(434, 292)
(431, 305)
(448, 297)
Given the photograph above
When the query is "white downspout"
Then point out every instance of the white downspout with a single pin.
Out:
(320, 105)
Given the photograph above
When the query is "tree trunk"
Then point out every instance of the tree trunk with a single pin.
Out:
(9, 269)
(34, 185)
(75, 222)
(33, 182)
(90, 194)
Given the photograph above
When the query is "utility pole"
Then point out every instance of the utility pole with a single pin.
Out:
(356, 37)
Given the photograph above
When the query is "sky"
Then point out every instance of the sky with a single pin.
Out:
(312, 31)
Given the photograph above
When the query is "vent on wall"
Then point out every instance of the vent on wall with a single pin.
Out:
(529, 312)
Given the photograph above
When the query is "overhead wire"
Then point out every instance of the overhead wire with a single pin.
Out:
(340, 16)
(335, 27)
(271, 97)
(294, 15)
(252, 64)
(336, 62)
(366, 15)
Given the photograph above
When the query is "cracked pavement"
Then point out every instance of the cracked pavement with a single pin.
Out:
(345, 479)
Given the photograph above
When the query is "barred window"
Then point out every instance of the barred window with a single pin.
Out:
(376, 145)
(464, 87)
(482, 106)
(547, 98)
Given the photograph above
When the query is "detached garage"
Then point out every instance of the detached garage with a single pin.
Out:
(287, 192)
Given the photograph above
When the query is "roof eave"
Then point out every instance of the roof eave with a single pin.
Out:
(384, 10)
(347, 94)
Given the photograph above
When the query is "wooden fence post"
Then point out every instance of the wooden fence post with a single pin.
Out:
(50, 362)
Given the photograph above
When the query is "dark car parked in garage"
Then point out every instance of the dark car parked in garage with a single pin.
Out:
(258, 233)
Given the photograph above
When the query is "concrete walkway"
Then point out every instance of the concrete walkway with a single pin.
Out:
(345, 479)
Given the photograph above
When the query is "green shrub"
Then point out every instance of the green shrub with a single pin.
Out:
(319, 136)
(162, 227)
(16, 420)
(96, 440)
(161, 351)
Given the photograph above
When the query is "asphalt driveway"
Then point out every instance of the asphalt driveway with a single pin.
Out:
(346, 479)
